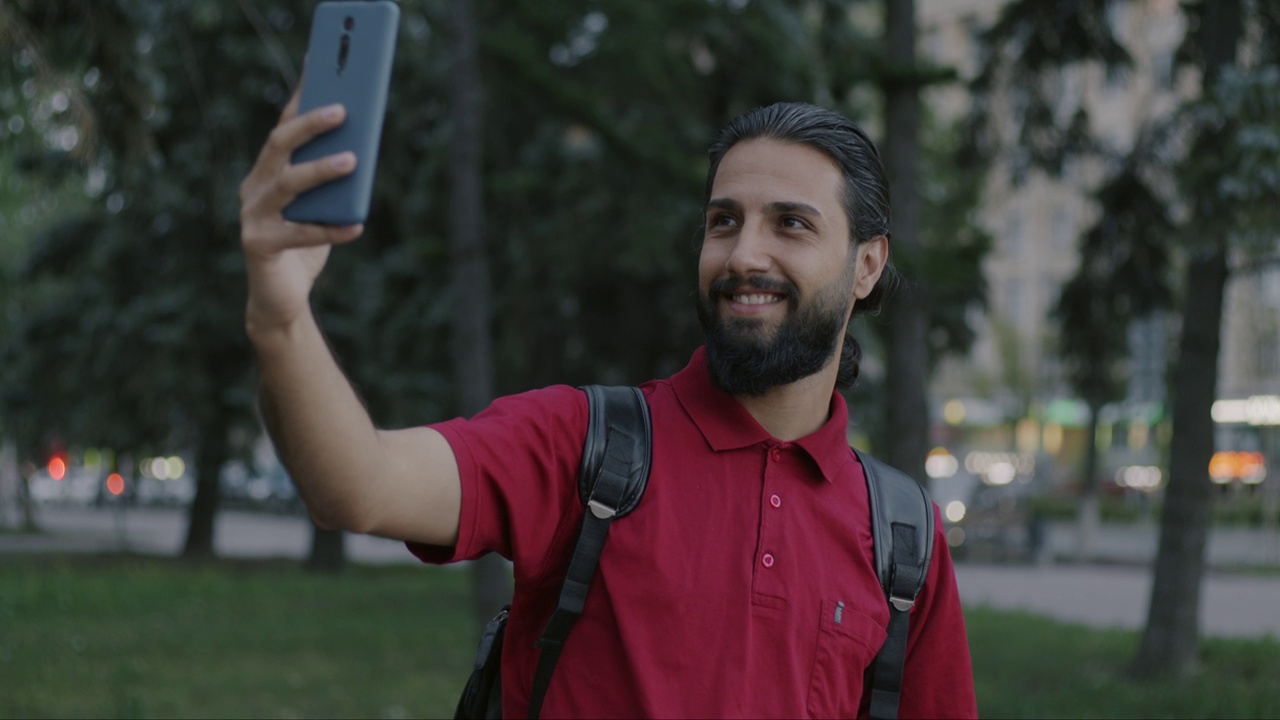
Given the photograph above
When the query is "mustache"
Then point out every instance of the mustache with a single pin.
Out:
(732, 285)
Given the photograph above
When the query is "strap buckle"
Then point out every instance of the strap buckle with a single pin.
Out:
(600, 510)
(901, 603)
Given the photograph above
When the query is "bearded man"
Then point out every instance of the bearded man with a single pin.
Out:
(744, 584)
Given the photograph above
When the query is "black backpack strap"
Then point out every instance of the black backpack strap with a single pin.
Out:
(616, 456)
(902, 533)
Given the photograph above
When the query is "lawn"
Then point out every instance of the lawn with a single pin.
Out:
(134, 637)
(128, 637)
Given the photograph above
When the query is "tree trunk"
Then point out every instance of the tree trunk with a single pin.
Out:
(9, 475)
(1170, 643)
(211, 455)
(906, 428)
(328, 550)
(1088, 519)
(473, 363)
(27, 504)
(24, 447)
(1171, 640)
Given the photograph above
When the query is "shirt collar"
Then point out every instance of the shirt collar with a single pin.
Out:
(727, 425)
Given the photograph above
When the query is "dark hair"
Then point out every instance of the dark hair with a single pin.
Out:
(865, 194)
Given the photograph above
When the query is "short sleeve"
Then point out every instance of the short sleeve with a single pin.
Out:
(518, 465)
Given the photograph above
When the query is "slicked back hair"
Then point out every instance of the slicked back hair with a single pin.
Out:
(865, 194)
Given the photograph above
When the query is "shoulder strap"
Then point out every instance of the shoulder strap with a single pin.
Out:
(902, 534)
(616, 456)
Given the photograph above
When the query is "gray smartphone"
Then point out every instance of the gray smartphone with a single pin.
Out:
(349, 58)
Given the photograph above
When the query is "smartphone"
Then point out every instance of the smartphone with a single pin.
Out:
(349, 57)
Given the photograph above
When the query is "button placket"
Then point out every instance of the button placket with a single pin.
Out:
(770, 501)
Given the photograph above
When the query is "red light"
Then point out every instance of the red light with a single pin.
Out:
(115, 484)
(57, 468)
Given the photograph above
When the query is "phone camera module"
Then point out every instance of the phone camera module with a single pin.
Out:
(349, 23)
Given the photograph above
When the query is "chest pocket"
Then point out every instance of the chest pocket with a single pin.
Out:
(847, 643)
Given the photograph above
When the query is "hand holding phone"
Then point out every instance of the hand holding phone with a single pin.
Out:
(349, 58)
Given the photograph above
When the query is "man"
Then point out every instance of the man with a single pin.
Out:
(743, 584)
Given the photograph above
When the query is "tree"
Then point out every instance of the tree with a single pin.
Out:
(1025, 54)
(1229, 181)
(590, 182)
(1123, 275)
(906, 367)
(1216, 154)
(472, 351)
(175, 361)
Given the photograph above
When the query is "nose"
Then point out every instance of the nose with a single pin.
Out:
(749, 254)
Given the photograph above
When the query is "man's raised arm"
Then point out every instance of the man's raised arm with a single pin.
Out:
(396, 483)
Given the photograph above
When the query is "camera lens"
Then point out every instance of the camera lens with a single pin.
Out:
(349, 23)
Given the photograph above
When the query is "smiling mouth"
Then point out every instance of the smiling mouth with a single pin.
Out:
(756, 298)
(754, 295)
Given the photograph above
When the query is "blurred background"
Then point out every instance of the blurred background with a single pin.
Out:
(1082, 363)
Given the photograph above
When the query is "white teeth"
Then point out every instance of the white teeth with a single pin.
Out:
(755, 299)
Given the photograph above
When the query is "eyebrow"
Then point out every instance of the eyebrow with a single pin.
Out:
(724, 204)
(776, 208)
(798, 208)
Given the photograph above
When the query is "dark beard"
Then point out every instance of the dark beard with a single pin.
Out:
(745, 360)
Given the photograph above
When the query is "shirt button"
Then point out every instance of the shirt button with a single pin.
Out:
(767, 560)
(775, 501)
(775, 454)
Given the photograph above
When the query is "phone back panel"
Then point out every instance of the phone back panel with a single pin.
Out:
(358, 77)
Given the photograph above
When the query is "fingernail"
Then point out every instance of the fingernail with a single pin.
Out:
(333, 112)
(343, 160)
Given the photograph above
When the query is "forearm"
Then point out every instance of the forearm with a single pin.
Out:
(397, 483)
(320, 428)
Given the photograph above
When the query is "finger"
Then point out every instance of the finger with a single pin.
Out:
(291, 108)
(271, 238)
(295, 132)
(294, 180)
(311, 235)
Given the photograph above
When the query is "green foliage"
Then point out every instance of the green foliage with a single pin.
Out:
(954, 243)
(1110, 509)
(137, 313)
(1124, 274)
(1232, 173)
(125, 327)
(1024, 54)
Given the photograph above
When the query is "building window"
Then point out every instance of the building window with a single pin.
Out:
(1013, 225)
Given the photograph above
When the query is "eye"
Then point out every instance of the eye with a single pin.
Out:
(721, 220)
(791, 222)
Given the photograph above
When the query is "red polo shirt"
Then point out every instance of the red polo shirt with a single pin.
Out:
(718, 595)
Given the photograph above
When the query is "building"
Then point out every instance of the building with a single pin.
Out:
(1008, 394)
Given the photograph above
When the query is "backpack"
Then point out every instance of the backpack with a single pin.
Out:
(612, 477)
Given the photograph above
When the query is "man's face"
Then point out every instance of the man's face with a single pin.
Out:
(776, 281)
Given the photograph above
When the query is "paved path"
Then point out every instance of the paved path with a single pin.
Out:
(1233, 604)
(162, 531)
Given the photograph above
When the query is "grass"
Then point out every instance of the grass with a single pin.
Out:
(1030, 667)
(133, 637)
(121, 637)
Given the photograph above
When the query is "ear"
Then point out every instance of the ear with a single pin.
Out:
(872, 256)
